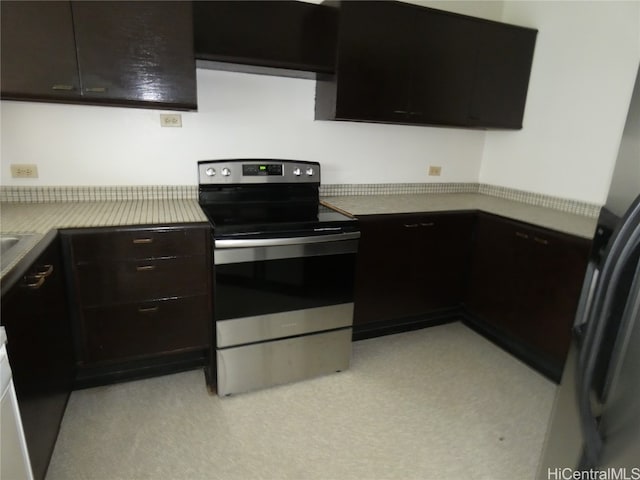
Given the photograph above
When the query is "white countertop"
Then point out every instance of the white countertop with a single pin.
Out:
(40, 218)
(560, 221)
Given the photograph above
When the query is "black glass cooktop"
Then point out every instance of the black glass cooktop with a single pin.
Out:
(268, 211)
(290, 222)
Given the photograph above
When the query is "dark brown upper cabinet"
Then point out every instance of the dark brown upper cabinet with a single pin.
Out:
(287, 38)
(38, 51)
(406, 64)
(105, 53)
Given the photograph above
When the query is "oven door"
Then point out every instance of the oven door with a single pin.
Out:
(282, 303)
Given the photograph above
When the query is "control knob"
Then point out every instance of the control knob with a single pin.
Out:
(310, 171)
(226, 172)
(210, 171)
(297, 172)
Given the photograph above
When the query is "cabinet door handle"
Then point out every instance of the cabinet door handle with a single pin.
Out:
(138, 241)
(63, 87)
(34, 282)
(428, 224)
(522, 235)
(148, 309)
(44, 271)
(541, 240)
(400, 111)
(95, 89)
(411, 225)
(145, 268)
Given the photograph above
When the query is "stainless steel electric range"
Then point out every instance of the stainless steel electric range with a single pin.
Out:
(284, 269)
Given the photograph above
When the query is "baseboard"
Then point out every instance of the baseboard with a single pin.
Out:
(407, 324)
(547, 367)
(539, 362)
(139, 369)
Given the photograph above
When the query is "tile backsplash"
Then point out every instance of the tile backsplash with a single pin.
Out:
(557, 203)
(97, 194)
(339, 190)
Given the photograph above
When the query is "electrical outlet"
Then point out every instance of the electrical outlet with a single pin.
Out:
(170, 120)
(24, 170)
(435, 171)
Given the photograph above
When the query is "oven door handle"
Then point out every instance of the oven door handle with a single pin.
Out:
(275, 242)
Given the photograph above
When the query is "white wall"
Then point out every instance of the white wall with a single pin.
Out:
(239, 115)
(583, 70)
(488, 9)
(585, 63)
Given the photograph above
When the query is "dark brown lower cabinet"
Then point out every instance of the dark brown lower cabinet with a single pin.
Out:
(524, 287)
(36, 318)
(516, 283)
(142, 300)
(410, 266)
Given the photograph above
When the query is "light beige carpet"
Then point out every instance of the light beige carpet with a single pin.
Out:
(439, 403)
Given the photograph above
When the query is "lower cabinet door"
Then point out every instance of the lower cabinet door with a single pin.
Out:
(35, 315)
(410, 265)
(524, 285)
(135, 330)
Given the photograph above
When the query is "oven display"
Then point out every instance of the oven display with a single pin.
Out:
(253, 170)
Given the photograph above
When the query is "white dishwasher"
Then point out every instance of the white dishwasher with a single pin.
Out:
(14, 458)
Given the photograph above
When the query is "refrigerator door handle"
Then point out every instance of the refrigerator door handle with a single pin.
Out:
(619, 253)
(585, 302)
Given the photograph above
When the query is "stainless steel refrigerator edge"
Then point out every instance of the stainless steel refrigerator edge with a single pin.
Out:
(595, 422)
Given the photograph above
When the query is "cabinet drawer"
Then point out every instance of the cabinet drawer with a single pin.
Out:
(142, 329)
(139, 243)
(140, 280)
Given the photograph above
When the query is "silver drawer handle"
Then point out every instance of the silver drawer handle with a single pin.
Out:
(138, 241)
(522, 235)
(428, 224)
(541, 240)
(44, 271)
(39, 281)
(411, 225)
(95, 89)
(145, 268)
(66, 88)
(148, 309)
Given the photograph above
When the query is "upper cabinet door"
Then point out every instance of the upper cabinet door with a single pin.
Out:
(38, 51)
(442, 76)
(403, 63)
(130, 52)
(373, 63)
(287, 34)
(502, 71)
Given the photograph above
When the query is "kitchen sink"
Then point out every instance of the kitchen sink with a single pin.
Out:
(11, 246)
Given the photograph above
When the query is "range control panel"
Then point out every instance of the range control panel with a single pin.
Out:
(222, 172)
